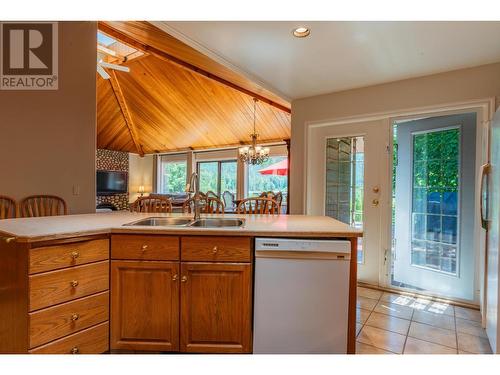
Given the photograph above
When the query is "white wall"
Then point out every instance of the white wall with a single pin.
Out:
(140, 173)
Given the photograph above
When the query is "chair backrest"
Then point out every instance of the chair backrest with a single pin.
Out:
(228, 199)
(8, 207)
(210, 205)
(187, 206)
(260, 205)
(153, 205)
(278, 197)
(42, 205)
(211, 194)
(214, 206)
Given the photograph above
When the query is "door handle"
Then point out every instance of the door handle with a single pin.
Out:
(483, 204)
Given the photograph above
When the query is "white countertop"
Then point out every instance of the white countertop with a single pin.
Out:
(58, 227)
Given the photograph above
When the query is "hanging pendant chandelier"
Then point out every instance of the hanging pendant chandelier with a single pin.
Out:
(254, 154)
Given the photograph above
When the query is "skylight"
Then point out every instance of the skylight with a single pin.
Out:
(104, 40)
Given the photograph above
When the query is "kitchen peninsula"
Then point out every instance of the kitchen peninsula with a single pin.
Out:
(93, 284)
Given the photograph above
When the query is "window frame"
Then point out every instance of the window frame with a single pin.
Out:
(219, 170)
(170, 158)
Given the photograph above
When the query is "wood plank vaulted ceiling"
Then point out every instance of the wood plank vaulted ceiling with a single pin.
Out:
(173, 106)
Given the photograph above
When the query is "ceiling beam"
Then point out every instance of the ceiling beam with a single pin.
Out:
(132, 42)
(227, 146)
(117, 90)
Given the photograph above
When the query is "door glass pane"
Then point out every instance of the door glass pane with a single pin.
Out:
(228, 177)
(173, 177)
(209, 175)
(345, 182)
(434, 200)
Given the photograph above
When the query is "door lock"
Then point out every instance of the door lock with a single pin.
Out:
(375, 202)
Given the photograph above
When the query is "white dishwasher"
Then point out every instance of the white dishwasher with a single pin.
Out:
(301, 300)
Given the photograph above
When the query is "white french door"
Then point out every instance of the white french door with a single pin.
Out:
(434, 208)
(347, 174)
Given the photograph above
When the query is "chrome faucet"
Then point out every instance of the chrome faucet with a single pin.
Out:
(193, 188)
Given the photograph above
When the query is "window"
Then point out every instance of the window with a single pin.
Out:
(434, 231)
(172, 176)
(228, 176)
(269, 176)
(217, 176)
(345, 182)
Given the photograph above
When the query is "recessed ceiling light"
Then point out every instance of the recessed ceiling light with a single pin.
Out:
(301, 32)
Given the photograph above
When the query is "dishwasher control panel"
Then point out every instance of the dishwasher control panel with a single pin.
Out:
(294, 244)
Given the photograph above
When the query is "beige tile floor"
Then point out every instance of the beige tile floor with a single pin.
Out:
(389, 323)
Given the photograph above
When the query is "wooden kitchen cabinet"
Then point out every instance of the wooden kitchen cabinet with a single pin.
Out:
(216, 307)
(145, 305)
(211, 294)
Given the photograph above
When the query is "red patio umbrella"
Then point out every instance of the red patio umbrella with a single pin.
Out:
(280, 168)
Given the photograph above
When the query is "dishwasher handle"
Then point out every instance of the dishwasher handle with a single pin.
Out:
(302, 255)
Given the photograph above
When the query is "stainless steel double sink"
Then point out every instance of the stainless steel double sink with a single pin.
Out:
(189, 222)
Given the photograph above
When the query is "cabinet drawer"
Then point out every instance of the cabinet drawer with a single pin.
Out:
(50, 288)
(50, 258)
(219, 249)
(70, 317)
(93, 340)
(141, 247)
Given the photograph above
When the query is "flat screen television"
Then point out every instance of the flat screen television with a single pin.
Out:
(111, 182)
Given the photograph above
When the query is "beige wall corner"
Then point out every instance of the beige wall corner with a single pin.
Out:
(444, 88)
(140, 174)
(48, 138)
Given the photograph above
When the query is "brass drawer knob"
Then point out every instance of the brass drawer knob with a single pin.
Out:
(215, 250)
(175, 277)
(184, 279)
(74, 350)
(75, 254)
(75, 317)
(144, 247)
(74, 283)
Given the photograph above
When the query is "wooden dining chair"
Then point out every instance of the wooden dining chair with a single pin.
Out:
(211, 194)
(210, 205)
(152, 205)
(188, 205)
(260, 205)
(278, 197)
(8, 207)
(42, 205)
(214, 206)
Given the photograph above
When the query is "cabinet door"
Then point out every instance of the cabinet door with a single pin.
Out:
(145, 305)
(216, 307)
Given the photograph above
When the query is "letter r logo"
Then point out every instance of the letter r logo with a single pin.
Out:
(29, 56)
(27, 48)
